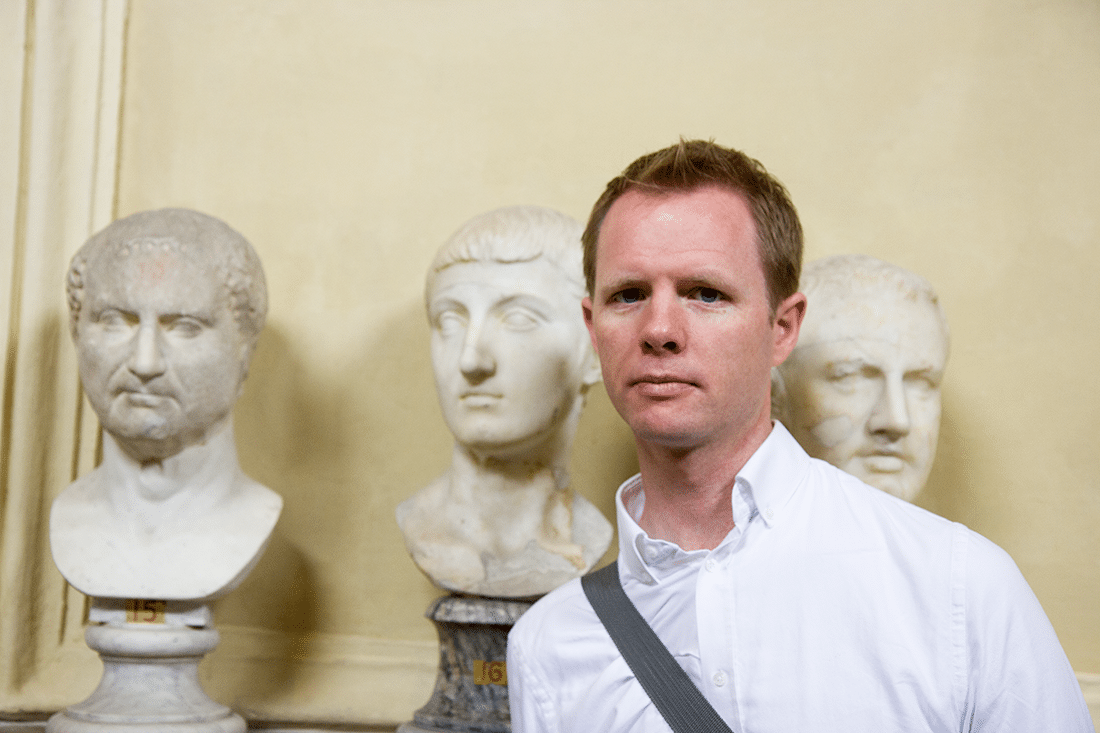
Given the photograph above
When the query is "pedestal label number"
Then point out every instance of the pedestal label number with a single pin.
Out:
(141, 611)
(490, 673)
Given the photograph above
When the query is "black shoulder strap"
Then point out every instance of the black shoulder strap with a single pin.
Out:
(684, 708)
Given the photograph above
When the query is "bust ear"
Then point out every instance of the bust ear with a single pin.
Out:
(590, 368)
(244, 355)
(780, 399)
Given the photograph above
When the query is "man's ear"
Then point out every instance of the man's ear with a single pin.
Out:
(788, 322)
(586, 309)
(590, 369)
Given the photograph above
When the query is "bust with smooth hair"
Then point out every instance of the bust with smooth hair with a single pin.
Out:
(512, 363)
(165, 310)
(862, 388)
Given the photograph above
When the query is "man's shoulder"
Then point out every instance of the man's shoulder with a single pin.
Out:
(908, 527)
(562, 619)
(555, 613)
(853, 494)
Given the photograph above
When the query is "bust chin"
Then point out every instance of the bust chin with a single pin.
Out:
(194, 538)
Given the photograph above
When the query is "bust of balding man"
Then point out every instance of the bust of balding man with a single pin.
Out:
(861, 389)
(165, 310)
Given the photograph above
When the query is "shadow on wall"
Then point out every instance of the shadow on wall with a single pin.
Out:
(343, 449)
(947, 491)
(274, 425)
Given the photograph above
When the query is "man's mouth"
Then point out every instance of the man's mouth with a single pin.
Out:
(662, 385)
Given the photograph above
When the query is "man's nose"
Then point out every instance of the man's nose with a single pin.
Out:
(476, 361)
(663, 329)
(890, 415)
(146, 355)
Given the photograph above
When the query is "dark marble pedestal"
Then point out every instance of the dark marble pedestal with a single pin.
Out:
(471, 687)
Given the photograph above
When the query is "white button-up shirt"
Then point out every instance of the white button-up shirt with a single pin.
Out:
(831, 606)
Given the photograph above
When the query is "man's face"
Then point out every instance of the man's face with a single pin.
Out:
(160, 354)
(863, 388)
(508, 351)
(681, 322)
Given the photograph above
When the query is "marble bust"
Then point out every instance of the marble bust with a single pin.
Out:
(862, 388)
(165, 310)
(512, 363)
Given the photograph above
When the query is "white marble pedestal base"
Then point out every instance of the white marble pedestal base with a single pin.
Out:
(150, 684)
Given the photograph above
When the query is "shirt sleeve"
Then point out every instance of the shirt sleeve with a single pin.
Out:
(1018, 678)
(531, 708)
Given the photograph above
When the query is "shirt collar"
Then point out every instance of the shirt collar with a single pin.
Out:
(766, 482)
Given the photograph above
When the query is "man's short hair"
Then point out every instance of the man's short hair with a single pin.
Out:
(691, 164)
(514, 234)
(194, 236)
(851, 276)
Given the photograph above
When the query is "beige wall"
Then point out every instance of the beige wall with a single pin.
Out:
(347, 139)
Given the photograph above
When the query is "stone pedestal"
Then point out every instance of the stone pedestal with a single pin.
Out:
(471, 688)
(150, 684)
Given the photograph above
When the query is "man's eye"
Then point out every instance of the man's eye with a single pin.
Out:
(708, 295)
(630, 295)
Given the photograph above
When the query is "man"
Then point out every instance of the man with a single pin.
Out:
(512, 367)
(165, 310)
(796, 597)
(861, 389)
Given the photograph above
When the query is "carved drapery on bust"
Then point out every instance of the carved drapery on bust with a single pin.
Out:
(512, 363)
(165, 310)
(862, 388)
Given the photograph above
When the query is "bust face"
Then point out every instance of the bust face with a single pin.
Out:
(863, 388)
(160, 354)
(508, 348)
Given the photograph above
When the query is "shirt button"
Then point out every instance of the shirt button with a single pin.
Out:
(769, 514)
(719, 679)
(710, 565)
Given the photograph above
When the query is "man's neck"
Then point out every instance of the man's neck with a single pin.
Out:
(688, 492)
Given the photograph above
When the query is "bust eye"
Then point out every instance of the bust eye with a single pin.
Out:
(628, 296)
(519, 319)
(449, 323)
(924, 381)
(842, 372)
(115, 320)
(185, 327)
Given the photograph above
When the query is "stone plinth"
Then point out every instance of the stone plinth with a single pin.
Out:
(471, 688)
(150, 684)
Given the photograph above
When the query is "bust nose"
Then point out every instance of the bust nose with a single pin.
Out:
(146, 356)
(890, 415)
(476, 361)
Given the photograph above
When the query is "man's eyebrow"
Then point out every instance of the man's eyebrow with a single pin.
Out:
(627, 281)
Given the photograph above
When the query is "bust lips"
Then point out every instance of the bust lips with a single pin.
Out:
(885, 461)
(475, 399)
(146, 399)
